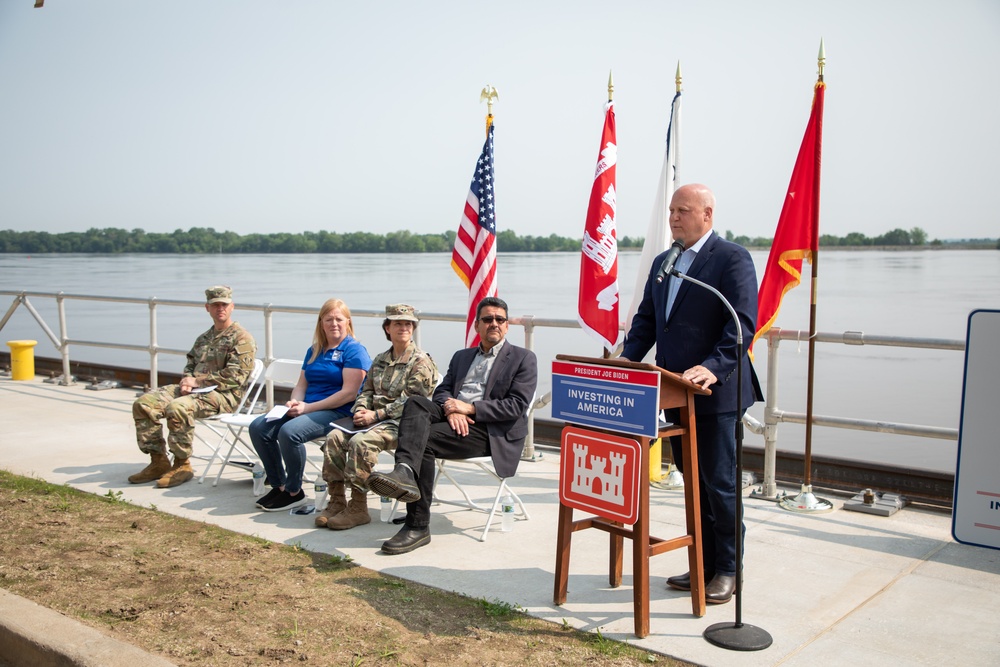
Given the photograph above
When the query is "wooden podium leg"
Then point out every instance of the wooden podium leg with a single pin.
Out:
(692, 510)
(564, 536)
(640, 548)
(615, 557)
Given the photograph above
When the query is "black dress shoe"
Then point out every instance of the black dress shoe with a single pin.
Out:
(399, 484)
(406, 540)
(720, 589)
(682, 582)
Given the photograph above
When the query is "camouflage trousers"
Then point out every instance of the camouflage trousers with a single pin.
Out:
(352, 458)
(180, 412)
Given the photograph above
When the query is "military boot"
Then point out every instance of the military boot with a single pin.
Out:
(356, 513)
(159, 465)
(336, 505)
(180, 473)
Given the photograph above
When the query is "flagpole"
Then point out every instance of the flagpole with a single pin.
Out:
(675, 479)
(807, 479)
(473, 256)
(677, 143)
(598, 294)
(807, 501)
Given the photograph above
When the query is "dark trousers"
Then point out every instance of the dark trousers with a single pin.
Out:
(717, 478)
(425, 435)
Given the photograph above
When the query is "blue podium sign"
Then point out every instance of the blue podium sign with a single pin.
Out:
(618, 399)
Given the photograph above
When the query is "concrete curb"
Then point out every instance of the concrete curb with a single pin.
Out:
(33, 635)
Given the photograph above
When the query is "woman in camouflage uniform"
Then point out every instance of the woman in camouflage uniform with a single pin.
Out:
(396, 374)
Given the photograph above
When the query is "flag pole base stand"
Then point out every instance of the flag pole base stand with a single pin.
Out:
(806, 502)
(737, 637)
(760, 494)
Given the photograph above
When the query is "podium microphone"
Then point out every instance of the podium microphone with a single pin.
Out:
(668, 262)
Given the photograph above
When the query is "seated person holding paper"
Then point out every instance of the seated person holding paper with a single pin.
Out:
(217, 367)
(332, 372)
(402, 371)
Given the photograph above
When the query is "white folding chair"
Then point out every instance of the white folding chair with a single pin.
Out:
(485, 464)
(280, 372)
(215, 424)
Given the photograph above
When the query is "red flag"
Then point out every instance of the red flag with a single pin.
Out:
(598, 307)
(797, 235)
(474, 257)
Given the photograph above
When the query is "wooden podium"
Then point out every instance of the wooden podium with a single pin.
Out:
(679, 394)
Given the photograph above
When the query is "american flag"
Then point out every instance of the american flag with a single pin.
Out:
(474, 257)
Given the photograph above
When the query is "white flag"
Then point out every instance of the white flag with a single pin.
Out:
(658, 236)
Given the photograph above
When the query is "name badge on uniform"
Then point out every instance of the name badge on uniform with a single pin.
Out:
(336, 355)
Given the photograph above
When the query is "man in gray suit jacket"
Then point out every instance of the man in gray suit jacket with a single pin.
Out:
(479, 409)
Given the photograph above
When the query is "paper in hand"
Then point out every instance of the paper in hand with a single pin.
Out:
(277, 412)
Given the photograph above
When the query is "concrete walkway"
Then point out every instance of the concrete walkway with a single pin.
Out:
(838, 588)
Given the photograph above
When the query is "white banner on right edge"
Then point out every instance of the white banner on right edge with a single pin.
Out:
(976, 513)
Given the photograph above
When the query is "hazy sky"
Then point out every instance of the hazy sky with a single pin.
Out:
(268, 116)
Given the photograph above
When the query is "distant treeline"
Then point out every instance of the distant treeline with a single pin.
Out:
(200, 240)
(896, 237)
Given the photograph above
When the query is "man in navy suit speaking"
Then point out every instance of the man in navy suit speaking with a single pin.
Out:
(695, 336)
(479, 409)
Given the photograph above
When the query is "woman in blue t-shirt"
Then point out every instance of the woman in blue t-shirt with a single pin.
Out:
(332, 374)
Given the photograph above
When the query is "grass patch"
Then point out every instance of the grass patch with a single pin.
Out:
(201, 595)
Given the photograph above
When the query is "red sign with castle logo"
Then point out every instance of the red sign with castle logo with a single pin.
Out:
(599, 473)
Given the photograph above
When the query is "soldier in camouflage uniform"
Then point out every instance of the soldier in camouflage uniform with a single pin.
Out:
(221, 358)
(401, 371)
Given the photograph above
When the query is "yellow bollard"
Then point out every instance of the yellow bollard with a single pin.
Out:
(22, 359)
(656, 461)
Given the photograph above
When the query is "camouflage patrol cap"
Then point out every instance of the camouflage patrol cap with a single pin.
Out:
(219, 294)
(400, 311)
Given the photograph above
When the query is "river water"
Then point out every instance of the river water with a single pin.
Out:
(901, 293)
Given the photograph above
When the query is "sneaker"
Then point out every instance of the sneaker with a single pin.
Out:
(268, 498)
(286, 501)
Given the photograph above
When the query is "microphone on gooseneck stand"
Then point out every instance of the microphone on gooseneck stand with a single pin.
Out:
(668, 262)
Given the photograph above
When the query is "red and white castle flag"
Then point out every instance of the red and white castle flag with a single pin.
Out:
(598, 305)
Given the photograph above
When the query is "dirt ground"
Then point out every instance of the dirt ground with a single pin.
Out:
(200, 595)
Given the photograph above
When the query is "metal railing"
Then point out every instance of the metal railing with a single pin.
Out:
(63, 342)
(773, 415)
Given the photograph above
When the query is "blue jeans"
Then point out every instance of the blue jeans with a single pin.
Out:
(280, 444)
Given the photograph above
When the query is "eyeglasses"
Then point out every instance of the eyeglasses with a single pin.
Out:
(490, 319)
